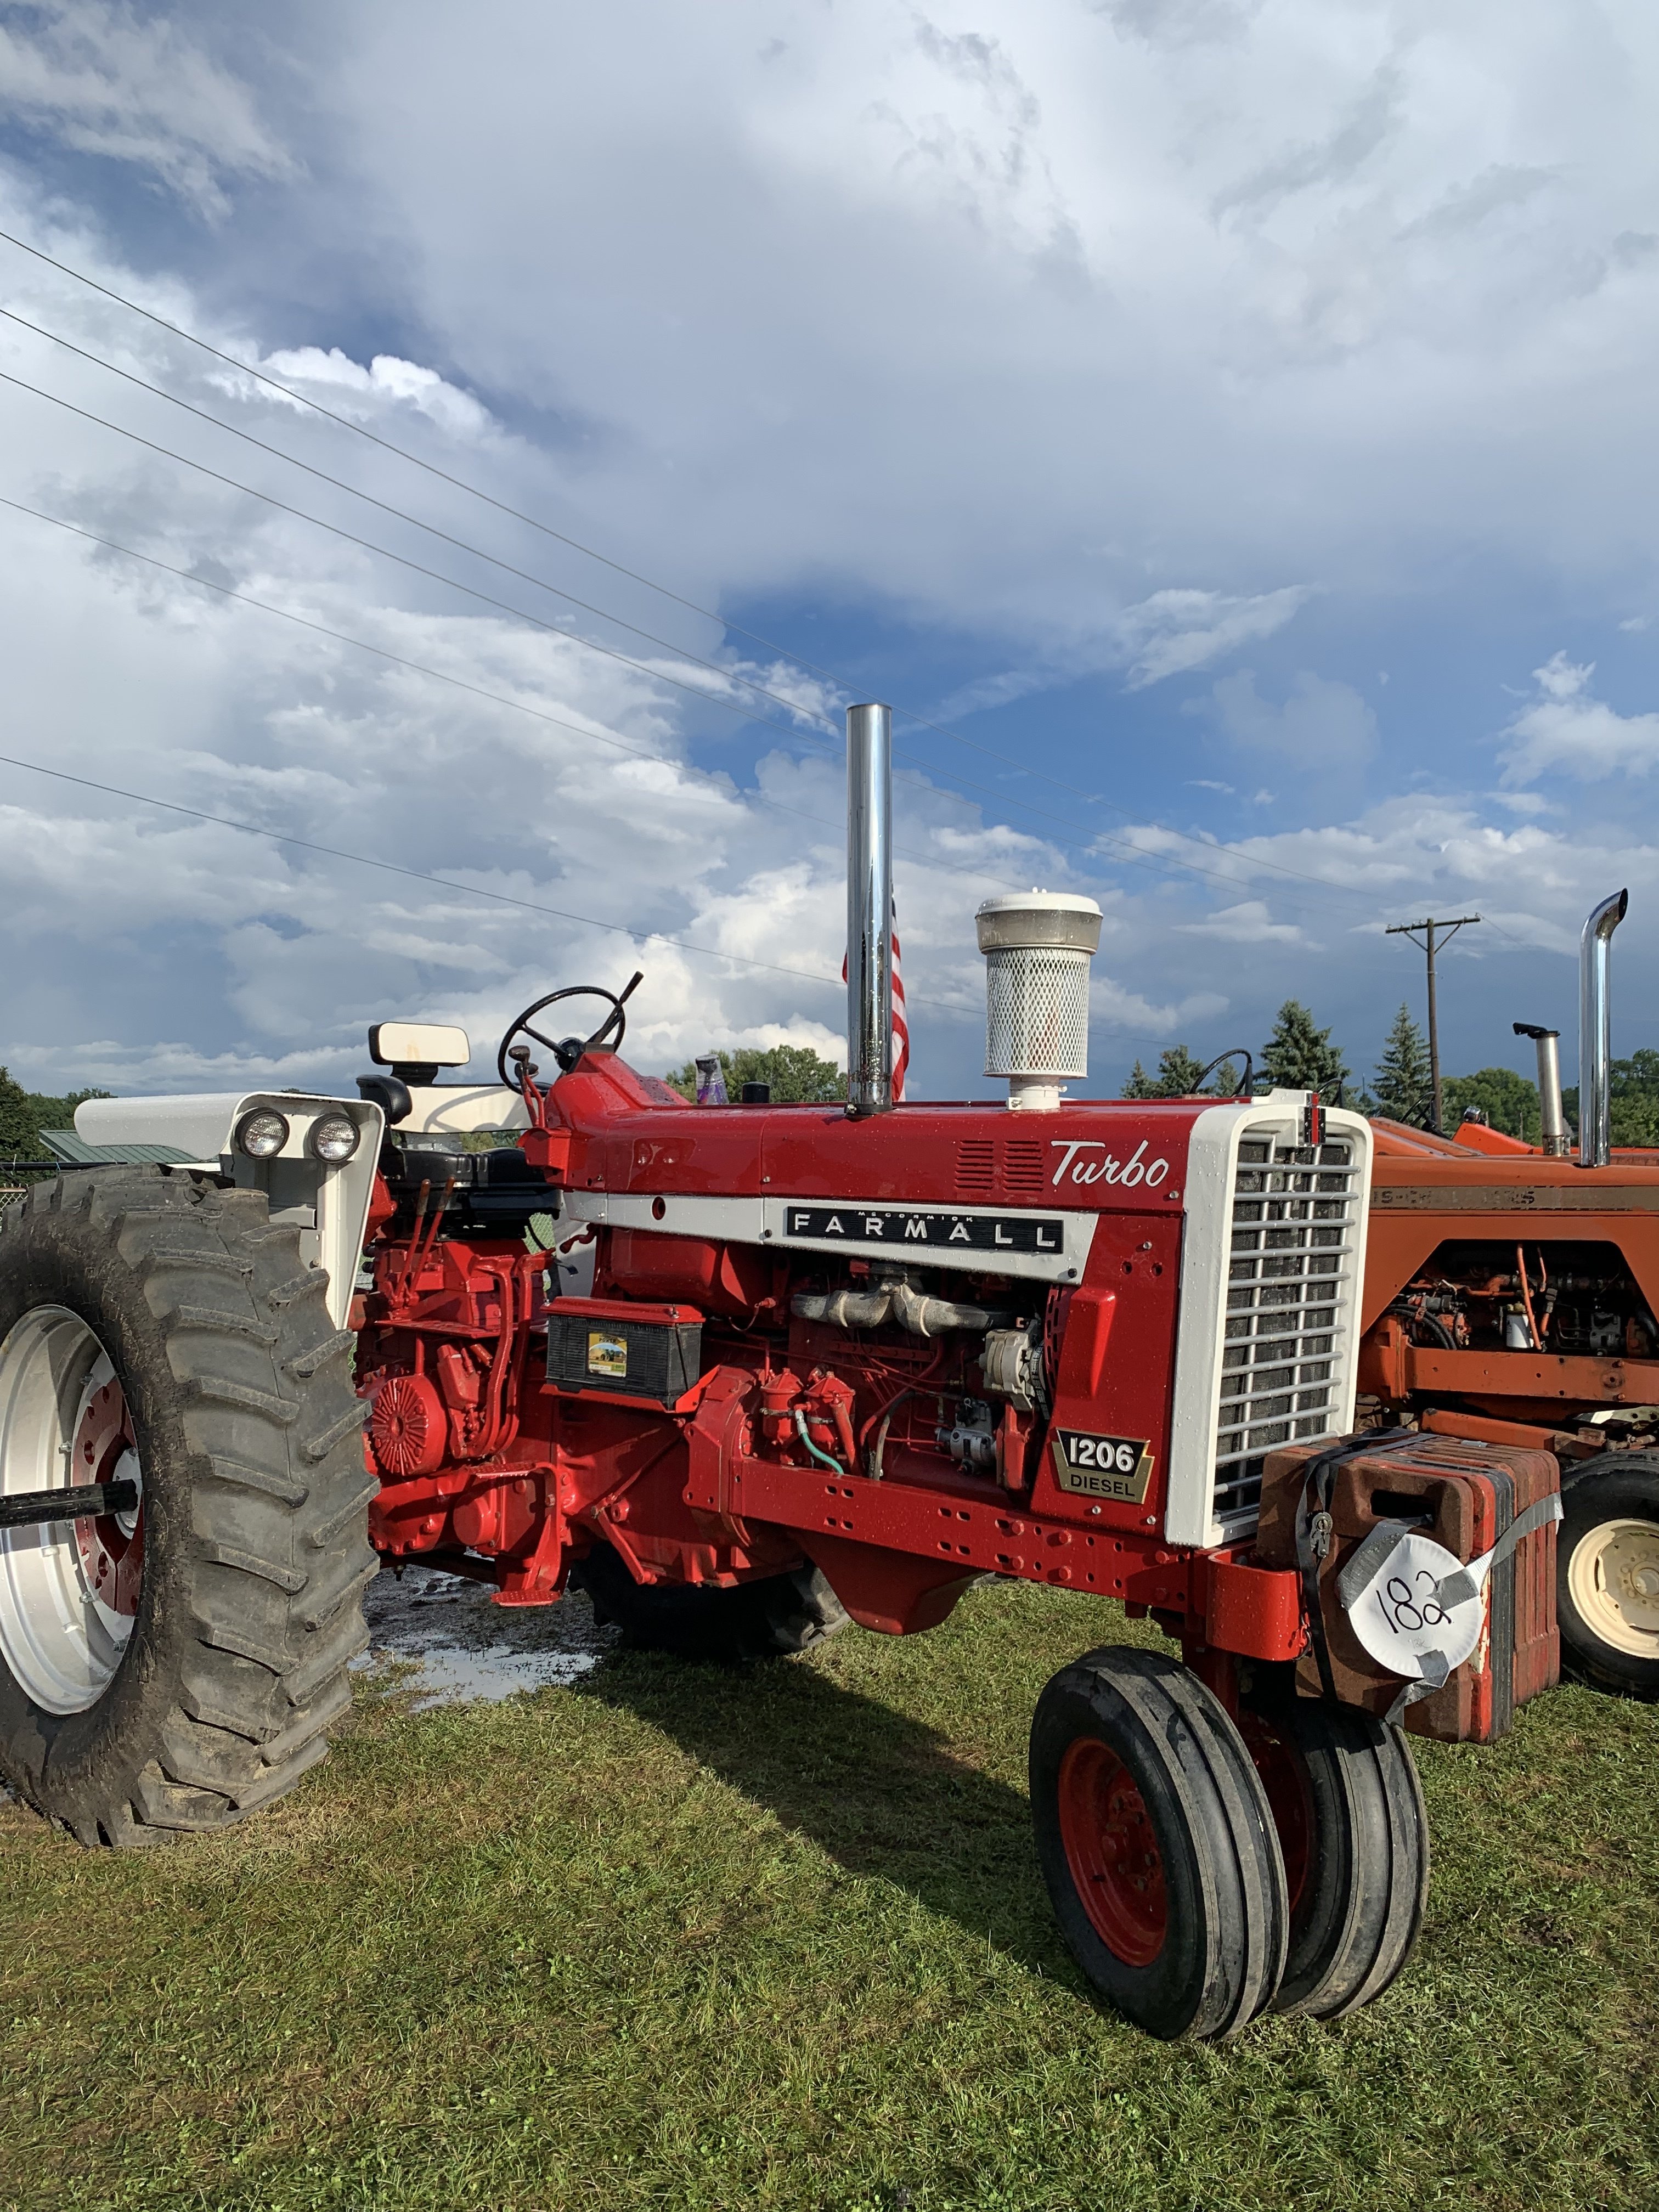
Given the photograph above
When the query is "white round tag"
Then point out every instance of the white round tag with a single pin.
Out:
(1401, 1620)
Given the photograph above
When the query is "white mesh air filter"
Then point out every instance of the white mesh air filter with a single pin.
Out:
(1037, 947)
(1037, 1012)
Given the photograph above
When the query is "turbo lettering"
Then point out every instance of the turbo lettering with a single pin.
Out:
(1126, 1173)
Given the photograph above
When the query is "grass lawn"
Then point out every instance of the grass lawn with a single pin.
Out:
(676, 1937)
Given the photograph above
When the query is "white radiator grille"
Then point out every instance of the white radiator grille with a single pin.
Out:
(1291, 1307)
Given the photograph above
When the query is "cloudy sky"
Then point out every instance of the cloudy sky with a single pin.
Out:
(1224, 428)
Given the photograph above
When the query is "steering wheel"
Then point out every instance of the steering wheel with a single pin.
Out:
(567, 1051)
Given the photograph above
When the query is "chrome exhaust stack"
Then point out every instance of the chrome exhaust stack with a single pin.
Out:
(1596, 1031)
(869, 909)
(1552, 1126)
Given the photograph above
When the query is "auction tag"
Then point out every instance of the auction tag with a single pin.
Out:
(1399, 1616)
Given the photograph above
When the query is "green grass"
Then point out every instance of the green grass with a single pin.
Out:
(687, 1938)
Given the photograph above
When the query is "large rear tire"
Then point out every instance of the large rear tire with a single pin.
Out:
(1352, 1826)
(764, 1619)
(1607, 1574)
(178, 1669)
(1158, 1845)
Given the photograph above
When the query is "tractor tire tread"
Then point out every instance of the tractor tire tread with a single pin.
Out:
(1220, 1965)
(255, 1499)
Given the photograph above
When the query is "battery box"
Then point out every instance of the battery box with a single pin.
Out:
(617, 1348)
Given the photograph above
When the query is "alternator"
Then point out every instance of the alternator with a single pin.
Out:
(1012, 1365)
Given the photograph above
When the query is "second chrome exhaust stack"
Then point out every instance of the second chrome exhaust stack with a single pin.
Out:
(1552, 1127)
(1596, 1031)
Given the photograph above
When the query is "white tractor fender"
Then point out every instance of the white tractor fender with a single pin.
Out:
(328, 1204)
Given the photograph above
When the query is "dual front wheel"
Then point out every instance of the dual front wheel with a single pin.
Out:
(1205, 1871)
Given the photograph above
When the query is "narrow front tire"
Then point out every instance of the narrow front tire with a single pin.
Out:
(1156, 1844)
(1351, 1826)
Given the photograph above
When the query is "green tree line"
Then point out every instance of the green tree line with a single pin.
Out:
(25, 1114)
(1300, 1056)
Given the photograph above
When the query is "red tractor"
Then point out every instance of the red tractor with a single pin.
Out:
(831, 1364)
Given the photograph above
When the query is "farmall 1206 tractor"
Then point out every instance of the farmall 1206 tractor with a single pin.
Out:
(831, 1364)
(1511, 1295)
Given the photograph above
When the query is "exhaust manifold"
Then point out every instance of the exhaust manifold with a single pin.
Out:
(893, 1298)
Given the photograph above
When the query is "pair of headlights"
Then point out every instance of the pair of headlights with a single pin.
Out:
(262, 1135)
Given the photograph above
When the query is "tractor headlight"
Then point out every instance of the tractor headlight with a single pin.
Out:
(334, 1138)
(262, 1134)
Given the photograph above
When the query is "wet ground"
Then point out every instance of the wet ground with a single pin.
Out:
(466, 1649)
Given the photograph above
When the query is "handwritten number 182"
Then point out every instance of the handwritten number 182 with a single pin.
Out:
(1406, 1613)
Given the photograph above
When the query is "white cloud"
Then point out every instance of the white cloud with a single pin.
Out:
(108, 80)
(332, 377)
(1321, 724)
(928, 322)
(1175, 631)
(1566, 730)
(1249, 923)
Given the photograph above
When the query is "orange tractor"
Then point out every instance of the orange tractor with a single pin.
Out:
(1511, 1295)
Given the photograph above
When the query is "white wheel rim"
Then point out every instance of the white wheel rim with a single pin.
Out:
(69, 1590)
(1613, 1578)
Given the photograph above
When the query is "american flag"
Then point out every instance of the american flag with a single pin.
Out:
(901, 1026)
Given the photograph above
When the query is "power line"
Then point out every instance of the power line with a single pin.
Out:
(470, 891)
(1135, 854)
(598, 737)
(743, 713)
(384, 553)
(589, 552)
(418, 875)
(475, 890)
(400, 514)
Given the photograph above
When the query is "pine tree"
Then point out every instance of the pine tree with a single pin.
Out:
(1177, 1076)
(1404, 1091)
(1299, 1056)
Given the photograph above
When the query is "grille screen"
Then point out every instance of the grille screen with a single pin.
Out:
(1290, 1306)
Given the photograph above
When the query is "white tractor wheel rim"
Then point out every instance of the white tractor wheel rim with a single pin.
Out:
(1613, 1578)
(69, 1590)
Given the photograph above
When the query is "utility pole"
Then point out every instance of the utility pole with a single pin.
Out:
(1431, 945)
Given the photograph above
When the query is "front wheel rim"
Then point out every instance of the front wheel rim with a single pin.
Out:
(1111, 1849)
(1613, 1577)
(69, 1590)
